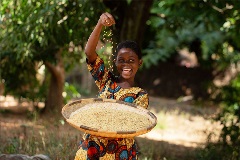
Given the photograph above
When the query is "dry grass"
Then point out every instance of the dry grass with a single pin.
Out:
(52, 137)
(182, 129)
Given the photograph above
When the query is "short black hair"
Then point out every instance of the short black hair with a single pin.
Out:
(130, 44)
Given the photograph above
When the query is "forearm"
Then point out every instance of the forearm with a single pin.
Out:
(90, 48)
(105, 19)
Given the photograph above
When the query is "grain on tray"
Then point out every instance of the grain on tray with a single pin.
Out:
(111, 117)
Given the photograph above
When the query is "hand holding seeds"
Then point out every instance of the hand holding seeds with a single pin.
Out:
(106, 19)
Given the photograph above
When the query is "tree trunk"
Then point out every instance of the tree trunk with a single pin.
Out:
(130, 18)
(54, 100)
(134, 22)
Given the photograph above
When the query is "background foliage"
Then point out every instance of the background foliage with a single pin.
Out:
(210, 30)
(42, 33)
(32, 32)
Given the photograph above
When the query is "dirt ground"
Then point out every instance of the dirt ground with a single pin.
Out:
(183, 125)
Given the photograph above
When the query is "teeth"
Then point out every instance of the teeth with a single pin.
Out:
(126, 69)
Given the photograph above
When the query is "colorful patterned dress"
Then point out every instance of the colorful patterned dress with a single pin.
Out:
(100, 148)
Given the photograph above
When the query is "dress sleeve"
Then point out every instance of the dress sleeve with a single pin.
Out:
(98, 71)
(142, 99)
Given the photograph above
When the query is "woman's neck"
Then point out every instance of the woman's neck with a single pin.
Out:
(125, 83)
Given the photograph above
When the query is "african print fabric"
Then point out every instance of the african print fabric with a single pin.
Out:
(94, 148)
(99, 148)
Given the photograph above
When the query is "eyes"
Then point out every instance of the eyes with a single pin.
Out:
(125, 61)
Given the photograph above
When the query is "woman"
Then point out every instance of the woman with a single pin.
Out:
(122, 87)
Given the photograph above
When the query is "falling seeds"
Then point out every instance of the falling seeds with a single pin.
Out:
(107, 38)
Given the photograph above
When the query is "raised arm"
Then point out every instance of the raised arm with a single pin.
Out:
(105, 19)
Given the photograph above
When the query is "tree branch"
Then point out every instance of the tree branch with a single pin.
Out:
(219, 9)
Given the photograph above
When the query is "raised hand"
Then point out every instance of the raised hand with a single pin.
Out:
(106, 19)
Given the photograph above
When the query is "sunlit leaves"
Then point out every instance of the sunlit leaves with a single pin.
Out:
(229, 116)
(46, 23)
(33, 30)
(212, 22)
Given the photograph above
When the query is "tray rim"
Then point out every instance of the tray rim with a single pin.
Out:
(101, 133)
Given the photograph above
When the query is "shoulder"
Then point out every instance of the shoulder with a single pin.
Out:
(141, 92)
(142, 98)
(97, 61)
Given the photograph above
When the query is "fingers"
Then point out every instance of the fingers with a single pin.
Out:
(107, 19)
(110, 17)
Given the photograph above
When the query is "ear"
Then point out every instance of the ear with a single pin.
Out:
(140, 62)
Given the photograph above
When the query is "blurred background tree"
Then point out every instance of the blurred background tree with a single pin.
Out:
(37, 34)
(209, 29)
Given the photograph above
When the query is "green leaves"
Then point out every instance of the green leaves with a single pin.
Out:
(230, 115)
(177, 23)
(22, 73)
(33, 31)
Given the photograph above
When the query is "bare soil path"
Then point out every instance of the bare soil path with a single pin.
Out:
(182, 127)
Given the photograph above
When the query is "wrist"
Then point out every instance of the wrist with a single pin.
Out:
(99, 23)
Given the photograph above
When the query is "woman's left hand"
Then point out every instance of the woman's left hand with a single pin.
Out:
(107, 19)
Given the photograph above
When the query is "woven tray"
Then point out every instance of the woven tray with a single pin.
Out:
(84, 107)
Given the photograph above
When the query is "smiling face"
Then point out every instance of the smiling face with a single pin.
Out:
(127, 63)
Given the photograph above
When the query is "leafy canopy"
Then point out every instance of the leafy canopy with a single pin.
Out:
(175, 24)
(32, 31)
